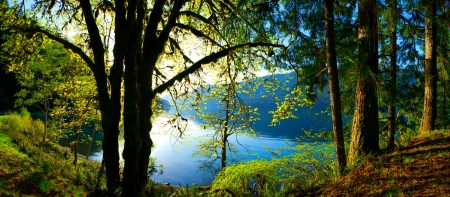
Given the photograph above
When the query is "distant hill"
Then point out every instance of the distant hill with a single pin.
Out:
(309, 117)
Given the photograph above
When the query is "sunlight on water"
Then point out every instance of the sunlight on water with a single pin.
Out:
(175, 154)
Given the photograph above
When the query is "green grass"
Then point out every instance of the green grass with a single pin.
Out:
(29, 168)
(7, 146)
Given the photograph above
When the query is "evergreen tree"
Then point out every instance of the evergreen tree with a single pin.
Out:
(364, 134)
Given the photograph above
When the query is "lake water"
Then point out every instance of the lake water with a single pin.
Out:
(180, 167)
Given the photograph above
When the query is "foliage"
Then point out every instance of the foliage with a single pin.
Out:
(46, 169)
(311, 166)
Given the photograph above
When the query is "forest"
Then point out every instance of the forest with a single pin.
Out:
(77, 76)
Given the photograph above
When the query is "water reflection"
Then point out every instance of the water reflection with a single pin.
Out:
(175, 153)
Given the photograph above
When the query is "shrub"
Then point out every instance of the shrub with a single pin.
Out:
(311, 166)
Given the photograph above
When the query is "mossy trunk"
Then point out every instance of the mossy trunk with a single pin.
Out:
(364, 134)
(430, 100)
(333, 82)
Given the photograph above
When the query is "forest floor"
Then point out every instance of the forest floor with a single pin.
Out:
(422, 168)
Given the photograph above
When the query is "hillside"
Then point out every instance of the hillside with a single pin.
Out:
(422, 168)
(29, 168)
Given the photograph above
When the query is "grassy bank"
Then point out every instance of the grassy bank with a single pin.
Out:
(30, 168)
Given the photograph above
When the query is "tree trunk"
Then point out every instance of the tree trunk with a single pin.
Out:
(430, 100)
(333, 82)
(444, 105)
(223, 157)
(46, 107)
(109, 104)
(45, 126)
(133, 142)
(90, 142)
(138, 104)
(392, 77)
(364, 136)
(75, 145)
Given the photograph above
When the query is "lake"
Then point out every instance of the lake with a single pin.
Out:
(175, 154)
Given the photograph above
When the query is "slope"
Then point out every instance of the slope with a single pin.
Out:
(422, 168)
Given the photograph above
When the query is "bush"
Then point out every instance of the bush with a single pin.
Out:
(311, 166)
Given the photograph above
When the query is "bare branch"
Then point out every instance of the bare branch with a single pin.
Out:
(197, 33)
(203, 19)
(206, 60)
(65, 43)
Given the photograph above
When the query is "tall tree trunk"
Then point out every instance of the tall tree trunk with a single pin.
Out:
(109, 103)
(444, 105)
(364, 136)
(137, 108)
(430, 100)
(392, 76)
(333, 82)
(132, 181)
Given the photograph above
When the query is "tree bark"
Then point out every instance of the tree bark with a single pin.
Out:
(364, 136)
(333, 82)
(133, 142)
(109, 107)
(430, 100)
(392, 77)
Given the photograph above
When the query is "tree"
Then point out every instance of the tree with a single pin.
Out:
(233, 116)
(39, 77)
(333, 83)
(364, 134)
(141, 34)
(430, 71)
(392, 73)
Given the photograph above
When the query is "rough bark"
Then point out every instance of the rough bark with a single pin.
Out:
(133, 143)
(430, 100)
(333, 82)
(392, 78)
(364, 134)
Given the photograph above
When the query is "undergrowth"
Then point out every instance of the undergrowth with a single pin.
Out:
(29, 167)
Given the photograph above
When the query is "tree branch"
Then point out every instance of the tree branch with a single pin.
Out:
(206, 60)
(94, 34)
(197, 33)
(65, 43)
(164, 35)
(203, 19)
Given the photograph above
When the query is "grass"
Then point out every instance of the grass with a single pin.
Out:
(422, 168)
(29, 168)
